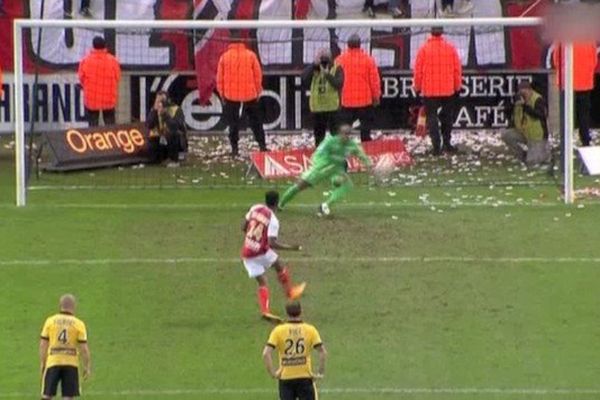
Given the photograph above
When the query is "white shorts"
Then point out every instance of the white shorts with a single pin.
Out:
(256, 266)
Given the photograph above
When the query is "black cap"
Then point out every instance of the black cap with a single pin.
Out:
(524, 85)
(354, 41)
(235, 35)
(437, 30)
(99, 43)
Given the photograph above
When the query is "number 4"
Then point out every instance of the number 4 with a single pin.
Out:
(62, 336)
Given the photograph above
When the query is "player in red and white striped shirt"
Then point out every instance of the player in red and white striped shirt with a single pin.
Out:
(261, 228)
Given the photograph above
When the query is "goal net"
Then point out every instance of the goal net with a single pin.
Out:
(79, 73)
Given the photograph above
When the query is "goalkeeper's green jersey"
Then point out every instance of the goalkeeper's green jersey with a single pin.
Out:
(335, 150)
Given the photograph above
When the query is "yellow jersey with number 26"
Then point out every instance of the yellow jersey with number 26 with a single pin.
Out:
(294, 341)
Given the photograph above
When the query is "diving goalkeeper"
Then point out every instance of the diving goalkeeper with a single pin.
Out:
(329, 162)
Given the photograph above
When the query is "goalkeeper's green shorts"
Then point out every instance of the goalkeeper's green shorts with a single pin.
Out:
(318, 173)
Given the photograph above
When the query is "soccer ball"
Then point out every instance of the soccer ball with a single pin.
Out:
(384, 167)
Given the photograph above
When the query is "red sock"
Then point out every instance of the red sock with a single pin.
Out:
(263, 299)
(284, 279)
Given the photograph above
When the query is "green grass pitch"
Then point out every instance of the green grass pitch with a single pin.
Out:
(414, 298)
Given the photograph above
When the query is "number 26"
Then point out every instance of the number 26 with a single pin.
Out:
(292, 347)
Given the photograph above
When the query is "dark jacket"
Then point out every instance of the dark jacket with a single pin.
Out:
(336, 80)
(530, 116)
(324, 87)
(170, 123)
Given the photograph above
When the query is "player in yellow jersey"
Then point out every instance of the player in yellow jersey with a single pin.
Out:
(63, 339)
(294, 342)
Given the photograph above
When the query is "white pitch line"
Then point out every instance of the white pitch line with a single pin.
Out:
(333, 391)
(357, 205)
(230, 260)
(211, 186)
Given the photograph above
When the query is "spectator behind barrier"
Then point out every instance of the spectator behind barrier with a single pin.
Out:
(99, 75)
(361, 91)
(168, 132)
(239, 83)
(530, 127)
(394, 9)
(584, 67)
(438, 79)
(450, 8)
(84, 9)
(324, 79)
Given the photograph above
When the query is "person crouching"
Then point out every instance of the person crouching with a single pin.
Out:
(168, 136)
(531, 128)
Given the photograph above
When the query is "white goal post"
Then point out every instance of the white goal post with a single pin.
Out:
(21, 24)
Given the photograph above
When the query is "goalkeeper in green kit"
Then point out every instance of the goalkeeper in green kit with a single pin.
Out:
(329, 162)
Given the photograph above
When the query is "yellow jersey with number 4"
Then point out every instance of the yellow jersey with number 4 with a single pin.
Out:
(64, 332)
(294, 341)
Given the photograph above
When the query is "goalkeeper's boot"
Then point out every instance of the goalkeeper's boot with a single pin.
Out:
(324, 210)
(296, 292)
(272, 318)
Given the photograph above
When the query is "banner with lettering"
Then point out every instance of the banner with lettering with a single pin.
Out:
(291, 163)
(61, 49)
(76, 149)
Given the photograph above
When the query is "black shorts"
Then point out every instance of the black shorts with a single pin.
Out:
(68, 377)
(297, 389)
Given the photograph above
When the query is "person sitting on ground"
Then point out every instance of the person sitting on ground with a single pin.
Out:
(168, 132)
(530, 127)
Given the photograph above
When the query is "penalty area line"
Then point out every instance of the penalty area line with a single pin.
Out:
(231, 260)
(334, 391)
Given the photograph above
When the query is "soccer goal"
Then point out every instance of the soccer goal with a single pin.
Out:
(57, 149)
